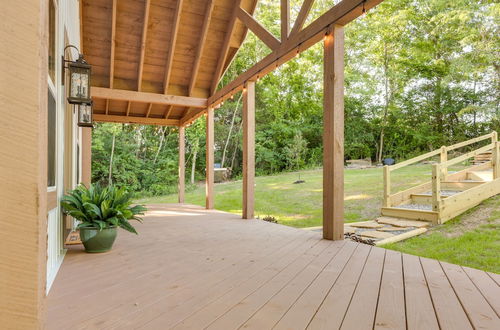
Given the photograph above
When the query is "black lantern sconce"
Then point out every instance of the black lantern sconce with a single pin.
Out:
(79, 87)
(85, 114)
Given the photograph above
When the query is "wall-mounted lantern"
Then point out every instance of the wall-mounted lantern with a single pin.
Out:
(79, 83)
(85, 114)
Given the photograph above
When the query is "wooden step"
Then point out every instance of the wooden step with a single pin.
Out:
(399, 222)
(423, 198)
(460, 185)
(480, 175)
(410, 214)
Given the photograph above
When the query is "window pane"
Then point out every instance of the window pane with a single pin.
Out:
(51, 143)
(52, 41)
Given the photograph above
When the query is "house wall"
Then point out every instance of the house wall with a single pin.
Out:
(31, 224)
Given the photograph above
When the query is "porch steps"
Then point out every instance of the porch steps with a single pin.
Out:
(457, 191)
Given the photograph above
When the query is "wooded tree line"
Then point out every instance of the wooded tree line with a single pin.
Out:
(419, 74)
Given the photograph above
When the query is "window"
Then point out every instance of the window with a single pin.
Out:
(51, 143)
(52, 41)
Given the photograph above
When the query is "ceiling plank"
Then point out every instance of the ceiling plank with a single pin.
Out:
(260, 31)
(144, 97)
(225, 48)
(342, 13)
(113, 44)
(135, 120)
(171, 49)
(302, 16)
(143, 44)
(201, 44)
(285, 19)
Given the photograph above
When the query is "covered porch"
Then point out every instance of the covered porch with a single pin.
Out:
(192, 268)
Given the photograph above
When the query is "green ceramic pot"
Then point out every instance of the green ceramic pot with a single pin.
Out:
(96, 241)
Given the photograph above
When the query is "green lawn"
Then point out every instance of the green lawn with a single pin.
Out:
(300, 205)
(472, 239)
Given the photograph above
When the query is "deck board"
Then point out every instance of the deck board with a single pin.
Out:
(192, 268)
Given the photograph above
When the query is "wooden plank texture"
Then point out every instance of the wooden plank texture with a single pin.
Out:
(248, 150)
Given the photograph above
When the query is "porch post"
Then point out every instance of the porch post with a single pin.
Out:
(182, 168)
(23, 164)
(333, 135)
(209, 176)
(248, 149)
(86, 155)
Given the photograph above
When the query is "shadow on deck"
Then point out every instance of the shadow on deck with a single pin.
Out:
(190, 268)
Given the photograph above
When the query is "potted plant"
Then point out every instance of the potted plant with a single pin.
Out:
(99, 211)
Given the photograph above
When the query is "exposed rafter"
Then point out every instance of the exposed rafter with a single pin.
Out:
(225, 48)
(302, 16)
(112, 53)
(149, 110)
(171, 49)
(201, 44)
(285, 19)
(168, 111)
(143, 44)
(144, 97)
(341, 14)
(135, 120)
(267, 37)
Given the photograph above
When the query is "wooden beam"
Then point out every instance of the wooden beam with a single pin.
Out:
(86, 155)
(168, 111)
(144, 97)
(258, 29)
(302, 16)
(171, 49)
(248, 150)
(143, 44)
(342, 13)
(149, 109)
(209, 174)
(135, 120)
(186, 121)
(201, 44)
(128, 108)
(182, 165)
(333, 135)
(225, 48)
(285, 19)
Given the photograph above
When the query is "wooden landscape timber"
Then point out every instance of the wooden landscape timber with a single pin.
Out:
(446, 195)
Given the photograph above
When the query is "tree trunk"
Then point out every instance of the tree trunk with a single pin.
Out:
(230, 131)
(236, 148)
(193, 165)
(110, 172)
(386, 107)
(162, 137)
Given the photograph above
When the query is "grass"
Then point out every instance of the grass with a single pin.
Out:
(471, 239)
(300, 205)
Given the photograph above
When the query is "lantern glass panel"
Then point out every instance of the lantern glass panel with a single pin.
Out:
(85, 115)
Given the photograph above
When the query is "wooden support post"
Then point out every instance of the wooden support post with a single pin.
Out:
(387, 186)
(495, 160)
(23, 165)
(333, 135)
(436, 188)
(248, 149)
(182, 165)
(444, 159)
(86, 156)
(209, 174)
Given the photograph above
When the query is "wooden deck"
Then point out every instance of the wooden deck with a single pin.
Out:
(193, 269)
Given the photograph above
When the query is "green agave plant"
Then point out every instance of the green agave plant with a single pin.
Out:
(102, 207)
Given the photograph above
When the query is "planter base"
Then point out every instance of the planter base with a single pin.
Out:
(96, 241)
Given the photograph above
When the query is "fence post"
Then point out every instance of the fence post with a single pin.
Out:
(436, 188)
(495, 160)
(444, 159)
(387, 186)
(494, 137)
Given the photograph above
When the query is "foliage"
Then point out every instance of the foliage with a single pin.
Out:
(101, 207)
(418, 75)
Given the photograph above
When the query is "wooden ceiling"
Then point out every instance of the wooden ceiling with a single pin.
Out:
(157, 61)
